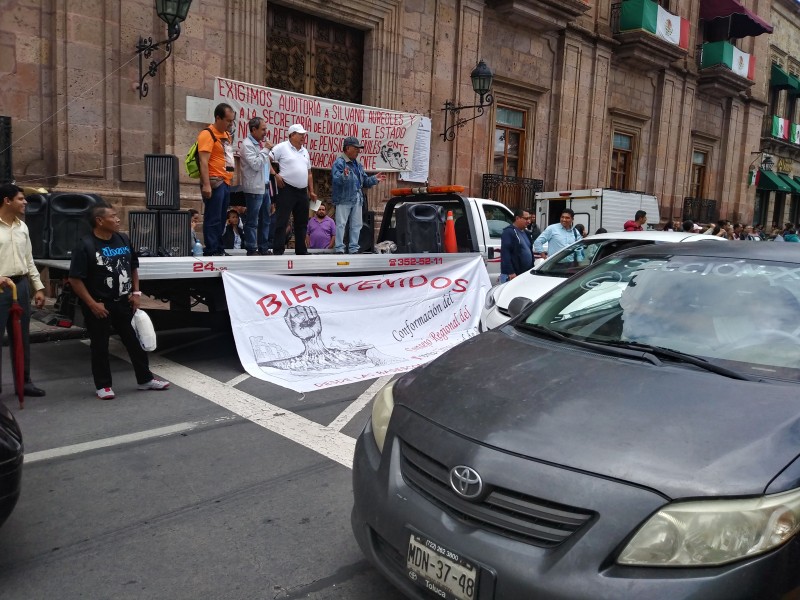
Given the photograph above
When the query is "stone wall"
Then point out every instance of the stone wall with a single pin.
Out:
(68, 78)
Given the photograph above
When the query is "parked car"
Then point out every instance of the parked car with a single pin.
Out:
(11, 455)
(566, 263)
(634, 435)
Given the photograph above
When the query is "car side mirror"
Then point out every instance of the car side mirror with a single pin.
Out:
(519, 305)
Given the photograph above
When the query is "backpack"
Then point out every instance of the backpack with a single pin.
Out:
(192, 160)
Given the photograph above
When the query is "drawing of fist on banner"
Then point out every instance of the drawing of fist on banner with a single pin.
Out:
(308, 333)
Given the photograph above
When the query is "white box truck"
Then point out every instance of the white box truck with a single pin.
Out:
(596, 208)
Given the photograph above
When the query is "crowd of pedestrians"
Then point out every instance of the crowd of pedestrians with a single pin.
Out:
(738, 231)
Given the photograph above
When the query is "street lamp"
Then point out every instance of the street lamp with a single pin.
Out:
(481, 77)
(173, 13)
(767, 163)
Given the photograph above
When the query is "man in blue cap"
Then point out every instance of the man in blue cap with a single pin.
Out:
(349, 182)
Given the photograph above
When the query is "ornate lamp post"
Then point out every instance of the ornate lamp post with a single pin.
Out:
(481, 77)
(173, 13)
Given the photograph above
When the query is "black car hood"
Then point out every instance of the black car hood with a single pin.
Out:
(677, 430)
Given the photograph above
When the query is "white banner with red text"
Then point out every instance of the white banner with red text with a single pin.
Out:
(388, 136)
(310, 333)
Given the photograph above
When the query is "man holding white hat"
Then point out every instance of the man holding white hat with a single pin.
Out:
(295, 188)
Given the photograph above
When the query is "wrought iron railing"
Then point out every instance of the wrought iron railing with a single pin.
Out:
(6, 169)
(700, 210)
(514, 192)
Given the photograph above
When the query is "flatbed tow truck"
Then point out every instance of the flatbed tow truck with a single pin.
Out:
(184, 283)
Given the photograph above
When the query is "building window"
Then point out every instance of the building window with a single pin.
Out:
(509, 141)
(697, 185)
(621, 159)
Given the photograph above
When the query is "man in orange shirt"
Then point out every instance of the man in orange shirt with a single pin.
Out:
(215, 149)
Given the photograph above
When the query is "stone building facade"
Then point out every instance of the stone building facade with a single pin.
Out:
(579, 102)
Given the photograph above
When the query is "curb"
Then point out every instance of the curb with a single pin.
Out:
(51, 334)
(56, 334)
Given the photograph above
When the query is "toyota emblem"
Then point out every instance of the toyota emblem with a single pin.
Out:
(466, 482)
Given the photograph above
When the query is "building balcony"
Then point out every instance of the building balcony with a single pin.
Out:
(781, 137)
(542, 15)
(724, 70)
(649, 37)
(514, 192)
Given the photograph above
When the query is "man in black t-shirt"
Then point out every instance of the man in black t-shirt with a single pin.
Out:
(103, 273)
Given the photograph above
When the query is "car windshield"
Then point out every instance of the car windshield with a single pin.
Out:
(741, 314)
(580, 255)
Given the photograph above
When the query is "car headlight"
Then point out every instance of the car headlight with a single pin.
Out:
(490, 299)
(714, 532)
(382, 407)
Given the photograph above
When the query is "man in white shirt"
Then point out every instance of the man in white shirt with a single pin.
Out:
(16, 265)
(295, 188)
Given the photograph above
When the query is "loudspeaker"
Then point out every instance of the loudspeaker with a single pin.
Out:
(420, 228)
(69, 221)
(366, 238)
(36, 214)
(143, 231)
(160, 233)
(174, 233)
(161, 188)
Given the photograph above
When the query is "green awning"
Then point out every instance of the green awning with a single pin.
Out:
(782, 80)
(772, 181)
(791, 183)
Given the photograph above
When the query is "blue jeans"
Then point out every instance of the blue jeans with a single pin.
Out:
(256, 225)
(214, 217)
(345, 212)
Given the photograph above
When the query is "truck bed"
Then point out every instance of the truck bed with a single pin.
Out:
(189, 267)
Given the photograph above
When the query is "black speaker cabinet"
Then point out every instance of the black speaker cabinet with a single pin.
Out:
(143, 231)
(162, 191)
(69, 221)
(174, 233)
(36, 213)
(420, 228)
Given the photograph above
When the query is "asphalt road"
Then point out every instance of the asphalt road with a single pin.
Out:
(223, 486)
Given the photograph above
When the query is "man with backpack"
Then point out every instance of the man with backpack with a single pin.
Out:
(216, 162)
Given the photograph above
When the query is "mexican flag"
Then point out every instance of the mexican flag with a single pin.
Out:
(780, 128)
(753, 176)
(794, 134)
(743, 64)
(672, 28)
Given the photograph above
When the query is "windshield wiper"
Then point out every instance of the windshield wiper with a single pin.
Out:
(603, 348)
(684, 357)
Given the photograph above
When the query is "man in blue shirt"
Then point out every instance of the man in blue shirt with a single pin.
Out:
(558, 235)
(516, 256)
(349, 181)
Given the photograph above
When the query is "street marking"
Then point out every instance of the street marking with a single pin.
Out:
(238, 379)
(355, 407)
(321, 439)
(109, 442)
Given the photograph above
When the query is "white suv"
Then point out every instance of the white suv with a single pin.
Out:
(564, 264)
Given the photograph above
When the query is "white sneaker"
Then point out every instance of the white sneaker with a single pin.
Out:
(154, 384)
(105, 394)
